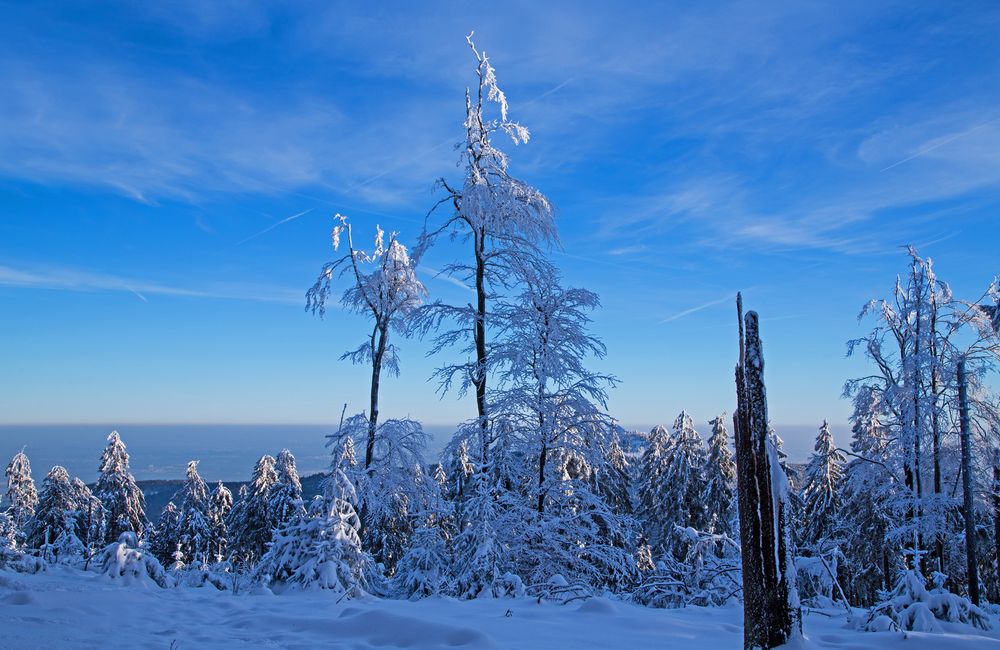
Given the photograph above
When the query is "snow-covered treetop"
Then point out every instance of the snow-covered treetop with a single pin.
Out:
(492, 203)
(21, 496)
(114, 460)
(384, 285)
(288, 474)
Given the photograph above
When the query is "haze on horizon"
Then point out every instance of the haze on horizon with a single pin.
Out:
(168, 182)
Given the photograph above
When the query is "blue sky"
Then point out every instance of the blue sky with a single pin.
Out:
(152, 156)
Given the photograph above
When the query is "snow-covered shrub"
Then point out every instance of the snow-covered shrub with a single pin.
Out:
(198, 574)
(124, 561)
(708, 574)
(911, 606)
(816, 577)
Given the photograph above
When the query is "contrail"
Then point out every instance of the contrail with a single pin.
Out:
(273, 226)
(688, 312)
(937, 145)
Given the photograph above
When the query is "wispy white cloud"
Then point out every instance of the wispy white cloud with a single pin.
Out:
(87, 281)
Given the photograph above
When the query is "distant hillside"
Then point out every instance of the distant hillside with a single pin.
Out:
(159, 492)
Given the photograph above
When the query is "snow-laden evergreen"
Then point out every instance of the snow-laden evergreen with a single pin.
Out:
(116, 488)
(322, 547)
(720, 481)
(652, 466)
(19, 501)
(220, 504)
(56, 506)
(821, 491)
(194, 531)
(682, 483)
(251, 521)
(286, 495)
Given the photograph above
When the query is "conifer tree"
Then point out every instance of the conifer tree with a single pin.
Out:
(720, 481)
(119, 493)
(220, 504)
(251, 522)
(682, 484)
(821, 489)
(166, 538)
(286, 496)
(652, 468)
(56, 506)
(321, 547)
(90, 518)
(194, 533)
(21, 498)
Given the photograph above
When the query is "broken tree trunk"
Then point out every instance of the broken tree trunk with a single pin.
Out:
(771, 612)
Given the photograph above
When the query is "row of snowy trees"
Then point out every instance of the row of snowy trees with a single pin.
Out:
(66, 518)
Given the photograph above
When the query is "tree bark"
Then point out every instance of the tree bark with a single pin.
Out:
(968, 504)
(996, 514)
(769, 617)
(479, 376)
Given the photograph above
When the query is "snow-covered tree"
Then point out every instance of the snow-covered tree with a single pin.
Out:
(125, 562)
(384, 287)
(821, 489)
(614, 478)
(505, 222)
(194, 532)
(220, 504)
(545, 389)
(322, 547)
(21, 498)
(422, 571)
(165, 538)
(478, 561)
(56, 505)
(90, 517)
(118, 492)
(720, 481)
(250, 521)
(286, 496)
(652, 467)
(866, 515)
(681, 488)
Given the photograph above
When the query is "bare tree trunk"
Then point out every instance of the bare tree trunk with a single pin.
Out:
(968, 505)
(996, 513)
(377, 357)
(479, 376)
(936, 425)
(768, 616)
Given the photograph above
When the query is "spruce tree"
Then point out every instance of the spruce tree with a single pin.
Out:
(118, 492)
(720, 480)
(91, 517)
(221, 503)
(652, 467)
(194, 532)
(682, 484)
(251, 522)
(165, 537)
(614, 481)
(821, 489)
(56, 505)
(286, 496)
(21, 498)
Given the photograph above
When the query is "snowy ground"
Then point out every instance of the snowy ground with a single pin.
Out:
(66, 608)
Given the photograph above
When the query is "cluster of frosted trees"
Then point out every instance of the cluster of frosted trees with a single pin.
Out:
(542, 493)
(66, 520)
(895, 499)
